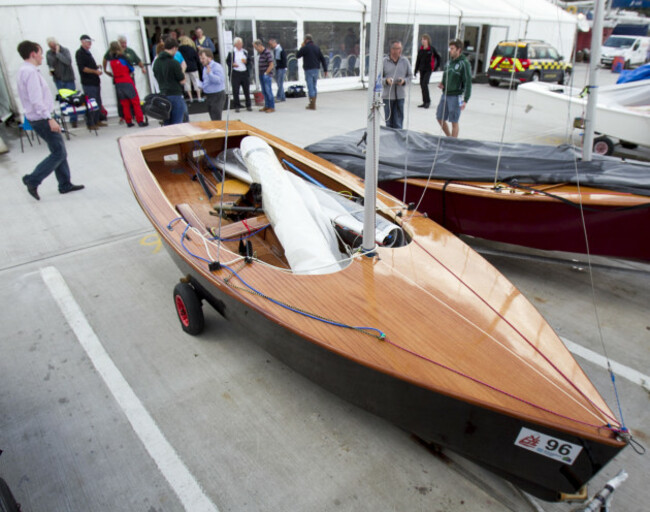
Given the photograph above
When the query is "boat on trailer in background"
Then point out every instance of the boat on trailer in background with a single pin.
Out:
(421, 330)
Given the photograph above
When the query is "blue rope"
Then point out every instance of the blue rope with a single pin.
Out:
(304, 174)
(618, 402)
(241, 238)
(380, 334)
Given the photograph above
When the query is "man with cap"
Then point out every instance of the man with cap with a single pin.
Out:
(89, 72)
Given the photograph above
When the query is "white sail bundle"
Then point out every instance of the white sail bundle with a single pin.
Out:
(339, 209)
(306, 235)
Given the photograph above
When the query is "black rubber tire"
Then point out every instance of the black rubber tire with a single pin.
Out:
(7, 501)
(603, 145)
(628, 145)
(566, 77)
(493, 82)
(188, 309)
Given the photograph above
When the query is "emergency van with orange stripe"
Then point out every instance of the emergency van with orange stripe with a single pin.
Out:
(523, 61)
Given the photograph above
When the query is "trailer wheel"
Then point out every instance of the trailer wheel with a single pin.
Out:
(188, 308)
(7, 501)
(603, 146)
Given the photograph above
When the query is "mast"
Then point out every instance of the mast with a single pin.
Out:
(592, 97)
(377, 17)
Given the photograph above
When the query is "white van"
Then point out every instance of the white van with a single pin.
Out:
(634, 49)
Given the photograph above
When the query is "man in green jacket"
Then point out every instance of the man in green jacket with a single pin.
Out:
(456, 88)
(170, 79)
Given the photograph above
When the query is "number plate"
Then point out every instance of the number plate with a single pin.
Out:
(548, 446)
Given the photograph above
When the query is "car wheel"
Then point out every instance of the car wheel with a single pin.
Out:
(493, 82)
(535, 77)
(188, 308)
(603, 146)
(566, 77)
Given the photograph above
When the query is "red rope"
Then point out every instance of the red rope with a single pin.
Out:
(525, 339)
(494, 388)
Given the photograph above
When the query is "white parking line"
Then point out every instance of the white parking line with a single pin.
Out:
(624, 371)
(171, 466)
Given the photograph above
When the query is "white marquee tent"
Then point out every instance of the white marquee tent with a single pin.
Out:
(480, 23)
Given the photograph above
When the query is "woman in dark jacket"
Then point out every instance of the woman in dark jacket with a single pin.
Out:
(428, 60)
(187, 48)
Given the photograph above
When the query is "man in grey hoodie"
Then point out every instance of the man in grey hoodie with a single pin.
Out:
(396, 75)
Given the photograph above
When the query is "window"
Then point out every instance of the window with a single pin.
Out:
(440, 36)
(339, 43)
(286, 34)
(243, 29)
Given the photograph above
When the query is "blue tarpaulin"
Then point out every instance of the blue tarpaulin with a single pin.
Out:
(640, 73)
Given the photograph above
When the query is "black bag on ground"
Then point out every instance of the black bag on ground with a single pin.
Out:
(296, 91)
(157, 107)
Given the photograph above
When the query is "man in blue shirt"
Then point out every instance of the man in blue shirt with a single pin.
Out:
(213, 84)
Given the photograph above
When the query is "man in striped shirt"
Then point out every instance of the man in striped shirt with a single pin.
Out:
(38, 106)
(266, 65)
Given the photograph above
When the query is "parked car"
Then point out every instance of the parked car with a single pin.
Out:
(527, 61)
(635, 50)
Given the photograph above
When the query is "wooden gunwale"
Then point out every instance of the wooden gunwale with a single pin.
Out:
(586, 195)
(375, 272)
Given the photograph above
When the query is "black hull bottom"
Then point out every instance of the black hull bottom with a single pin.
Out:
(483, 436)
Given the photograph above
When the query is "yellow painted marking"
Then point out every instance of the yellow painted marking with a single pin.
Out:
(152, 240)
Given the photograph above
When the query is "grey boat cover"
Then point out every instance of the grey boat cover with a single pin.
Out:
(406, 153)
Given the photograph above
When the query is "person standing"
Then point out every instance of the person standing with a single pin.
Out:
(59, 60)
(456, 88)
(213, 84)
(203, 41)
(170, 77)
(266, 64)
(127, 94)
(313, 59)
(128, 53)
(427, 61)
(396, 74)
(89, 72)
(38, 105)
(280, 57)
(187, 49)
(238, 69)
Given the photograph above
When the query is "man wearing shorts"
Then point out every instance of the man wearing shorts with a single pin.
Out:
(456, 88)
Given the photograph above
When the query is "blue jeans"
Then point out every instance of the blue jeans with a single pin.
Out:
(311, 75)
(279, 78)
(56, 161)
(394, 113)
(179, 112)
(266, 81)
(62, 84)
(93, 91)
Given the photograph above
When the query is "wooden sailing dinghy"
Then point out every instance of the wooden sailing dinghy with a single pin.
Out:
(422, 331)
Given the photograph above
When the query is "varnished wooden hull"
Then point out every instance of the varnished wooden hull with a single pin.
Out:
(467, 362)
(611, 219)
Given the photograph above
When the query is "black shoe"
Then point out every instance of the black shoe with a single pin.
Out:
(249, 109)
(31, 189)
(142, 124)
(130, 125)
(423, 105)
(237, 110)
(426, 105)
(73, 188)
